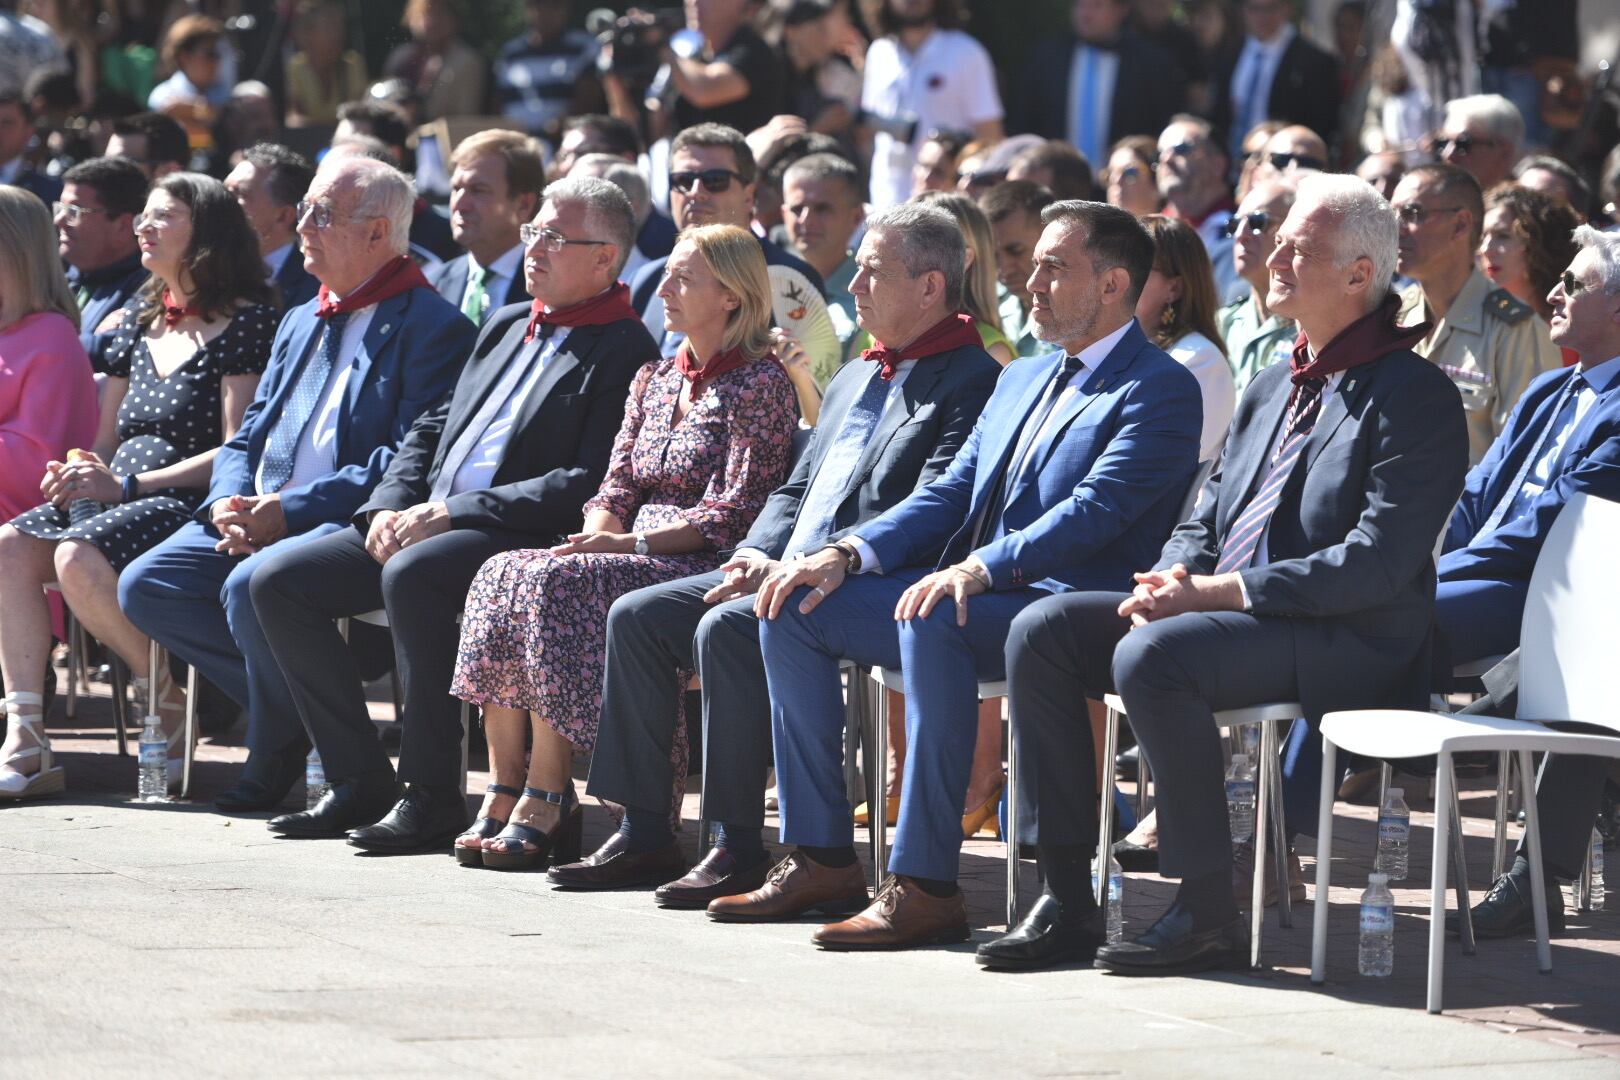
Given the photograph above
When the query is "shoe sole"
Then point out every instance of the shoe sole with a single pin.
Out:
(428, 843)
(1234, 962)
(832, 907)
(52, 781)
(952, 936)
(648, 881)
(995, 963)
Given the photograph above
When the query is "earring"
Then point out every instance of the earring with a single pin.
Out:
(1167, 316)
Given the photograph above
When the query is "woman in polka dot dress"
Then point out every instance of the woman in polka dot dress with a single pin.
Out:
(183, 368)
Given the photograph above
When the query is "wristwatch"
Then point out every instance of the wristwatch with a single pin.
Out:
(641, 544)
(851, 554)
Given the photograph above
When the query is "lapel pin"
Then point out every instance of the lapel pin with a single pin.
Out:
(385, 328)
(1349, 386)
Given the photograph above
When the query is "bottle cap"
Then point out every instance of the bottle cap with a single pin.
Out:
(1240, 759)
(1377, 879)
(1395, 793)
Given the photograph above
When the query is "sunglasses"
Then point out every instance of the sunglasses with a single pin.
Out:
(1412, 213)
(1257, 223)
(1280, 162)
(1572, 284)
(1461, 144)
(1184, 149)
(714, 181)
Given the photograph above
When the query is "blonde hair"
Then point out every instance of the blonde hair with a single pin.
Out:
(979, 282)
(735, 259)
(31, 278)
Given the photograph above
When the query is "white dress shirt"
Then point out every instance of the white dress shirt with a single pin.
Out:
(506, 267)
(478, 471)
(316, 454)
(1540, 477)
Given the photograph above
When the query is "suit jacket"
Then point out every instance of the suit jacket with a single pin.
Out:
(1591, 462)
(1101, 489)
(47, 188)
(450, 278)
(295, 284)
(1350, 545)
(911, 447)
(560, 443)
(1150, 88)
(1305, 90)
(407, 361)
(111, 287)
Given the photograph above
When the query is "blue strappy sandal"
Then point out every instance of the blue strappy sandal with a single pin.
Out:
(512, 848)
(482, 829)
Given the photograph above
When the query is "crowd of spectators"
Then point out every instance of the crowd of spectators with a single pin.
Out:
(741, 341)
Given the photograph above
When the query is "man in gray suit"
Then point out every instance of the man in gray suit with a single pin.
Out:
(886, 428)
(1304, 575)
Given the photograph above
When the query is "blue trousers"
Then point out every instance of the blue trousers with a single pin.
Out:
(194, 602)
(942, 664)
(1480, 618)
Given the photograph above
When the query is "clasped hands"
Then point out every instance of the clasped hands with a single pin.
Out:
(825, 570)
(247, 523)
(82, 476)
(1160, 594)
(393, 530)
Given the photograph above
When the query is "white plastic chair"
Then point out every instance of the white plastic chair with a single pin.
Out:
(1567, 645)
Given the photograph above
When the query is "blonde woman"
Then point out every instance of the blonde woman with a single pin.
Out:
(979, 287)
(706, 437)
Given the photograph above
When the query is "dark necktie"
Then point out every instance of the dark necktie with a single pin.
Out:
(1012, 465)
(819, 512)
(1243, 539)
(1563, 412)
(280, 448)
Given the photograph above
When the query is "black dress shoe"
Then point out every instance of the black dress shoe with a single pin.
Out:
(1127, 762)
(348, 804)
(424, 818)
(1507, 912)
(1172, 947)
(1136, 859)
(265, 781)
(1045, 939)
(716, 876)
(615, 866)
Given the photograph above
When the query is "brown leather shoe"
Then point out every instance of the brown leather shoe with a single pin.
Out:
(612, 866)
(902, 916)
(796, 886)
(716, 876)
(1243, 877)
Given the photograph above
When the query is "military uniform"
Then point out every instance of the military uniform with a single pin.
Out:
(1491, 345)
(1252, 345)
(1017, 325)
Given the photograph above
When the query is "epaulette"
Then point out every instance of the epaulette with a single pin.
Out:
(1507, 307)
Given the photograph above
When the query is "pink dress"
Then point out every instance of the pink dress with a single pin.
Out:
(533, 631)
(47, 404)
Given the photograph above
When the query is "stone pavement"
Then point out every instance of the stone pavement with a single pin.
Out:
(175, 941)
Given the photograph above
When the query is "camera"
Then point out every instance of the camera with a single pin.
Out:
(637, 39)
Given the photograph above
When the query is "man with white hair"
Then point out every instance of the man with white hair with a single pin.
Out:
(1563, 439)
(1304, 575)
(1482, 133)
(349, 373)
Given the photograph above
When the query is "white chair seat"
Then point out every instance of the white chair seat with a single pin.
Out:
(1399, 733)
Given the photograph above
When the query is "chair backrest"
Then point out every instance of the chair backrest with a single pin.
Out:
(1569, 637)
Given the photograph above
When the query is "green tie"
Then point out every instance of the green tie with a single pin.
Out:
(83, 296)
(476, 301)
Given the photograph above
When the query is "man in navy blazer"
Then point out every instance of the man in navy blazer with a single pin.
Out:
(338, 395)
(495, 189)
(269, 183)
(1563, 438)
(1072, 476)
(96, 239)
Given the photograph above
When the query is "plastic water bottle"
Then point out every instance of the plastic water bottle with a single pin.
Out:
(314, 779)
(1377, 953)
(1594, 895)
(1394, 835)
(1114, 903)
(154, 777)
(1240, 798)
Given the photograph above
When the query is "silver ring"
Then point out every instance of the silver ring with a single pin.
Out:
(819, 591)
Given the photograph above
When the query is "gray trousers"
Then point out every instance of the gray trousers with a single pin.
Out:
(653, 634)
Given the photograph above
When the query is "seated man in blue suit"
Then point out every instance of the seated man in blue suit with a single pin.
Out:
(269, 183)
(349, 373)
(1072, 476)
(1563, 438)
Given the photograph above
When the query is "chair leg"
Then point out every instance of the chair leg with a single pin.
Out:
(1105, 815)
(399, 695)
(854, 726)
(81, 648)
(878, 809)
(1262, 812)
(1279, 832)
(191, 731)
(1504, 768)
(1459, 860)
(154, 664)
(1444, 780)
(1386, 780)
(75, 655)
(1538, 884)
(1144, 777)
(1324, 863)
(120, 704)
(1011, 795)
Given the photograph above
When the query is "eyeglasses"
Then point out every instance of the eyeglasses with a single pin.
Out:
(1572, 284)
(322, 213)
(1257, 223)
(1280, 162)
(714, 181)
(1412, 213)
(73, 212)
(1184, 149)
(145, 221)
(550, 239)
(1461, 144)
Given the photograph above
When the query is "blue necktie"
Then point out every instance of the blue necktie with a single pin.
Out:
(282, 445)
(990, 520)
(1562, 414)
(1246, 107)
(819, 511)
(1086, 107)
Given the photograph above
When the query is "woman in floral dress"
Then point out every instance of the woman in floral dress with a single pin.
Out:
(706, 437)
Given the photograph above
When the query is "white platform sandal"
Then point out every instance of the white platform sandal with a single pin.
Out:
(49, 779)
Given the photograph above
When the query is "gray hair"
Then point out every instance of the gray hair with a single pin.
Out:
(930, 239)
(1499, 117)
(621, 174)
(381, 191)
(1605, 249)
(1367, 226)
(607, 209)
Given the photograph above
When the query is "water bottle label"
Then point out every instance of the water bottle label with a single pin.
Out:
(154, 755)
(1240, 791)
(1377, 918)
(314, 776)
(1393, 828)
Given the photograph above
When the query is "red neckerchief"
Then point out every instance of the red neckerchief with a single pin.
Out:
(1195, 222)
(951, 332)
(174, 313)
(608, 306)
(1363, 341)
(398, 276)
(718, 365)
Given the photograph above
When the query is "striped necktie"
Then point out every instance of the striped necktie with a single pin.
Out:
(476, 302)
(1243, 539)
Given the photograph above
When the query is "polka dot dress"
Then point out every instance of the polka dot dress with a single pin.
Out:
(161, 421)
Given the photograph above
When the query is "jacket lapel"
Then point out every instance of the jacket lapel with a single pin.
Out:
(1239, 475)
(573, 351)
(917, 388)
(1352, 386)
(1001, 439)
(385, 323)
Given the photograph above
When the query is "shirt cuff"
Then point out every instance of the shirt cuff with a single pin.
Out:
(1243, 591)
(979, 567)
(869, 559)
(750, 553)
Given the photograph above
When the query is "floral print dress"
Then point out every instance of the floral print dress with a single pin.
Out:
(534, 628)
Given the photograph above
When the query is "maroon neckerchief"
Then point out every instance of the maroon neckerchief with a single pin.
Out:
(1373, 335)
(608, 306)
(951, 332)
(173, 313)
(398, 276)
(718, 365)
